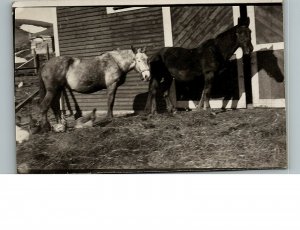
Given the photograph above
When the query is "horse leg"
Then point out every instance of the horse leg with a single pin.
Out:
(111, 93)
(69, 107)
(151, 100)
(77, 108)
(171, 108)
(44, 107)
(204, 101)
(55, 106)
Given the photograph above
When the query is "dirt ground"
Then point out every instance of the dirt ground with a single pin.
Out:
(186, 141)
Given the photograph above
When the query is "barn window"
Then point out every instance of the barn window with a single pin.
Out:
(117, 9)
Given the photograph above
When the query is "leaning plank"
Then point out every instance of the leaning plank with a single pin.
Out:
(29, 98)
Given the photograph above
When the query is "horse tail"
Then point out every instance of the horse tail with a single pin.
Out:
(42, 91)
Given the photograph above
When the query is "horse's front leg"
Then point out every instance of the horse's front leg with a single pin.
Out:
(204, 101)
(151, 100)
(167, 89)
(111, 94)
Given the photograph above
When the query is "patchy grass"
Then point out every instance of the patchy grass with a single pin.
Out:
(237, 139)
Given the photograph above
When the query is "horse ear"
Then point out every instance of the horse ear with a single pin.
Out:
(135, 50)
(271, 48)
(244, 21)
(143, 50)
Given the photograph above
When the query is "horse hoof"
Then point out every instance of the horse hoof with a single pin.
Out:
(108, 119)
(198, 108)
(213, 113)
(39, 128)
(145, 112)
(152, 113)
(172, 110)
(59, 128)
(34, 129)
(46, 127)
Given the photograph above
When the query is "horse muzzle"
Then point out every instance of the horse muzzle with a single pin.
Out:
(248, 50)
(146, 75)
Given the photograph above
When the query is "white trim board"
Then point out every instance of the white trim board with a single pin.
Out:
(37, 3)
(214, 104)
(111, 10)
(271, 103)
(167, 26)
(55, 35)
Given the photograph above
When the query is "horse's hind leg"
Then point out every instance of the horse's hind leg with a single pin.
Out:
(111, 94)
(44, 107)
(204, 101)
(55, 106)
(151, 100)
(166, 93)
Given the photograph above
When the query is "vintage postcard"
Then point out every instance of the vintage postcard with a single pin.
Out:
(189, 86)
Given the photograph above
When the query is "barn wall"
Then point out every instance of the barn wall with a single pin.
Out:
(88, 31)
(193, 25)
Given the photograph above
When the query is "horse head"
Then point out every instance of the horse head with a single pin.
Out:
(243, 34)
(141, 62)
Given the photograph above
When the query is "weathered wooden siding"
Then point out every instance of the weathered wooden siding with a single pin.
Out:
(88, 31)
(192, 25)
(269, 24)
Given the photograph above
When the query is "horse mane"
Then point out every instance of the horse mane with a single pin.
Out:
(212, 41)
(223, 34)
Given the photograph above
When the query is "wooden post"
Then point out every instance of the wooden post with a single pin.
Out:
(35, 62)
(168, 40)
(47, 50)
(246, 63)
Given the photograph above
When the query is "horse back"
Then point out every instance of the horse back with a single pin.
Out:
(182, 64)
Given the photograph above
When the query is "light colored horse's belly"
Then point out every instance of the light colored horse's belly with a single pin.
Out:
(82, 79)
(82, 84)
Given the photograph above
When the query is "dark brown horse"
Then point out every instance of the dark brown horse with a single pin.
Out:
(107, 71)
(188, 64)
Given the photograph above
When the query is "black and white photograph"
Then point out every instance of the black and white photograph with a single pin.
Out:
(190, 87)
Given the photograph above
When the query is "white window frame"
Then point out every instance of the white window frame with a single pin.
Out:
(111, 10)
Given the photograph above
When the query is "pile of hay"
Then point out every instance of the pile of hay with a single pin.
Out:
(240, 139)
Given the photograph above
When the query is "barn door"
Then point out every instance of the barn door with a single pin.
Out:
(192, 25)
(266, 23)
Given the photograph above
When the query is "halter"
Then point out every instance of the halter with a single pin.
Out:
(142, 70)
